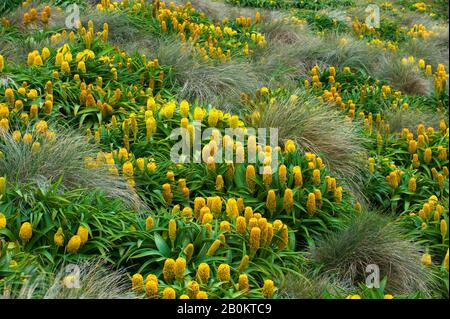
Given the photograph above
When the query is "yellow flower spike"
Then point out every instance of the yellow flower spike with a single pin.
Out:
(207, 218)
(169, 293)
(2, 185)
(442, 125)
(316, 177)
(282, 174)
(232, 208)
(225, 226)
(58, 238)
(184, 108)
(123, 154)
(74, 244)
(26, 231)
(184, 297)
(426, 259)
(415, 161)
(243, 284)
(243, 264)
(193, 288)
(271, 201)
(211, 164)
(388, 296)
(169, 270)
(255, 238)
(151, 289)
(442, 153)
(204, 211)
(151, 167)
(167, 193)
(203, 273)
(151, 277)
(241, 225)
(443, 228)
(427, 155)
(283, 240)
(9, 95)
(199, 114)
(27, 138)
(34, 110)
(421, 140)
(137, 283)
(83, 233)
(288, 200)
(248, 213)
(353, 297)
(412, 185)
(2, 63)
(149, 223)
(412, 146)
(180, 268)
(223, 272)
(65, 67)
(2, 221)
(37, 60)
(186, 192)
(298, 178)
(16, 136)
(289, 146)
(184, 123)
(151, 104)
(338, 195)
(318, 195)
(219, 183)
(172, 230)
(81, 67)
(216, 205)
(441, 180)
(213, 117)
(311, 203)
(240, 204)
(189, 252)
(267, 175)
(140, 164)
(199, 203)
(213, 248)
(268, 289)
(201, 295)
(446, 260)
(35, 147)
(250, 175)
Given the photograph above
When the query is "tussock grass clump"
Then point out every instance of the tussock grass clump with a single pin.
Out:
(123, 29)
(218, 84)
(318, 128)
(218, 10)
(367, 239)
(301, 51)
(406, 78)
(309, 286)
(62, 160)
(411, 118)
(89, 279)
(433, 50)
